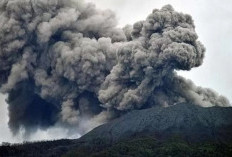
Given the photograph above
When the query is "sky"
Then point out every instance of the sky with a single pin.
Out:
(213, 25)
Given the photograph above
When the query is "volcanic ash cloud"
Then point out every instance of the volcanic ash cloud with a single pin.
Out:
(65, 62)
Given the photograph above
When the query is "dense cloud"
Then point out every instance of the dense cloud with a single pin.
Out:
(66, 62)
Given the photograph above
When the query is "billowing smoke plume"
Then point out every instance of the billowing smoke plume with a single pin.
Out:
(64, 61)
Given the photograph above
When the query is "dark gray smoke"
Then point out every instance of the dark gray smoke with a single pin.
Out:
(64, 61)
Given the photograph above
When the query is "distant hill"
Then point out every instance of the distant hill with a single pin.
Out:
(179, 130)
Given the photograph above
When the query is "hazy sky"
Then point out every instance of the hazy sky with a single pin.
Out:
(213, 20)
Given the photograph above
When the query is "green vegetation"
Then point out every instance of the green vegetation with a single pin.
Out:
(134, 147)
(150, 147)
(36, 149)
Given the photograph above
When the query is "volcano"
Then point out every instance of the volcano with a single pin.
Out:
(195, 130)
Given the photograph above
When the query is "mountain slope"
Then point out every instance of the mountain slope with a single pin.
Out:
(191, 122)
(193, 130)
